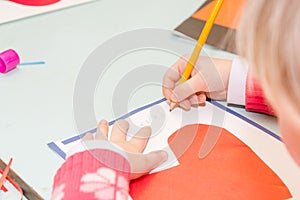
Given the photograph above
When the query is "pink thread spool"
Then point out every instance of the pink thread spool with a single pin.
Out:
(9, 60)
(35, 2)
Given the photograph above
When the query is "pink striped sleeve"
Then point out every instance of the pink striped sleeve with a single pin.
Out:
(255, 100)
(92, 174)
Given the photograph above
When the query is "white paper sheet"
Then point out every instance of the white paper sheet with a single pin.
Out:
(10, 11)
(271, 150)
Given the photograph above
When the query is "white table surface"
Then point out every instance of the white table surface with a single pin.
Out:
(36, 101)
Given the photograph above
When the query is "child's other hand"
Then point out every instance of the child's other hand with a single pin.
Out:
(208, 79)
(141, 164)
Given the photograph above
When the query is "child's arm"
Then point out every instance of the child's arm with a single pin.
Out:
(255, 100)
(83, 176)
(245, 90)
(100, 169)
(217, 79)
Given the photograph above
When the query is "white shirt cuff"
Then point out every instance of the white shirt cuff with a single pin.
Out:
(96, 144)
(237, 82)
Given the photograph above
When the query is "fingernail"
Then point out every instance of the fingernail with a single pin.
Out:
(174, 98)
(104, 122)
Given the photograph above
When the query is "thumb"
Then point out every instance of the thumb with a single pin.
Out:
(188, 88)
(142, 164)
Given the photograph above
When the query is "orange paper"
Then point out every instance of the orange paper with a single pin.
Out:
(228, 16)
(231, 171)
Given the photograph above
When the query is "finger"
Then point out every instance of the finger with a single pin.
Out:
(193, 99)
(140, 139)
(143, 164)
(88, 136)
(197, 99)
(218, 95)
(185, 105)
(170, 79)
(188, 88)
(102, 130)
(173, 75)
(119, 131)
(201, 98)
(167, 92)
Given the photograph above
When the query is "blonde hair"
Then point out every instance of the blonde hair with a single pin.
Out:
(269, 38)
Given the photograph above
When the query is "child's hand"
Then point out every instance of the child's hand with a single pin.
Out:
(209, 79)
(141, 164)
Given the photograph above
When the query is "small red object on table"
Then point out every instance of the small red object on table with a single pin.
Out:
(35, 2)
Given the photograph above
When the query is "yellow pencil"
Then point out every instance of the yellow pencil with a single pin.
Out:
(201, 41)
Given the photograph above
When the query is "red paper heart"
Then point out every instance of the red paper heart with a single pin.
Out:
(35, 2)
(230, 171)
